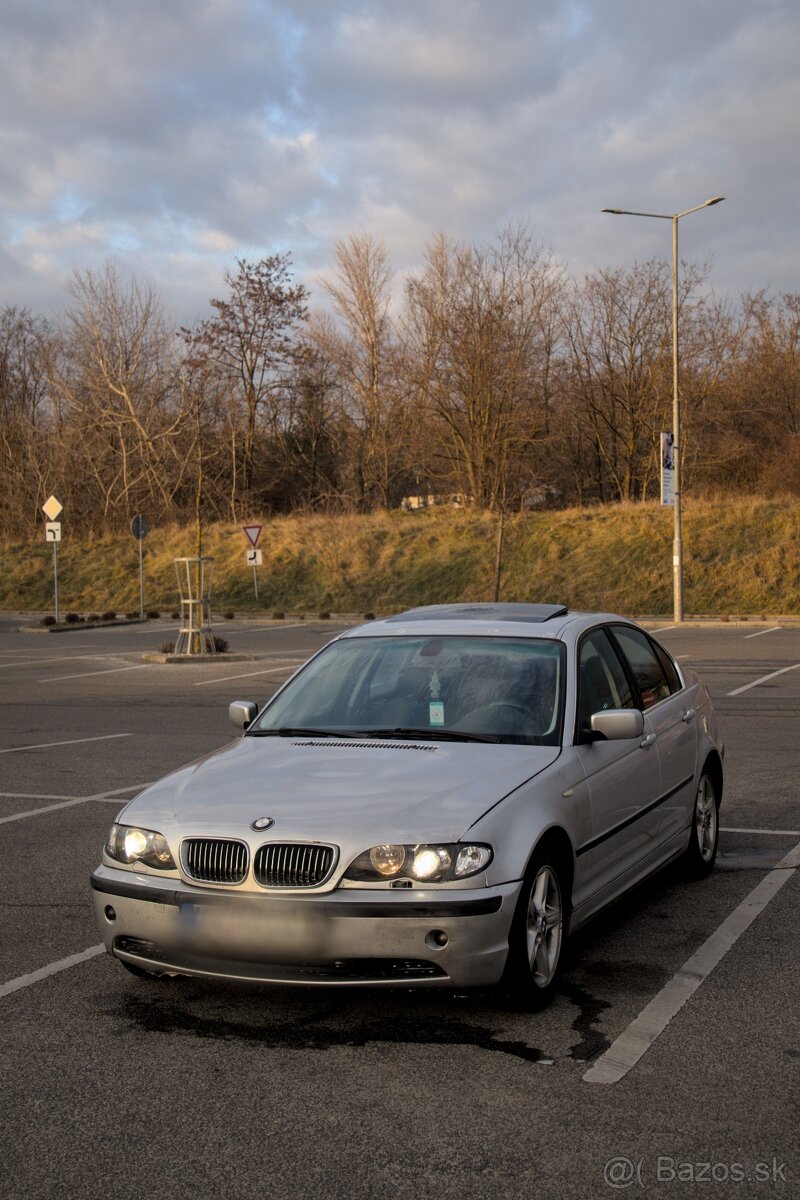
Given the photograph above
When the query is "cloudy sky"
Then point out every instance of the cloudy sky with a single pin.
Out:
(176, 135)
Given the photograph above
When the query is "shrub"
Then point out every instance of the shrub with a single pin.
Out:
(167, 647)
(153, 615)
(220, 645)
(110, 615)
(131, 616)
(324, 616)
(227, 615)
(369, 616)
(277, 615)
(93, 617)
(72, 618)
(48, 621)
(175, 616)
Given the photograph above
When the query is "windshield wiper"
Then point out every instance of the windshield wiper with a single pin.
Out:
(435, 735)
(297, 731)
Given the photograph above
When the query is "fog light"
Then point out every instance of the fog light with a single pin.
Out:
(437, 938)
(110, 915)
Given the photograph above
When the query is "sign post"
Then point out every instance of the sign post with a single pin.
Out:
(139, 529)
(52, 532)
(253, 533)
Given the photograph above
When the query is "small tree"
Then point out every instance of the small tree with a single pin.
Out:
(252, 339)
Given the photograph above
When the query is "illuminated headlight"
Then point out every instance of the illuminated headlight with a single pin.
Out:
(130, 844)
(387, 860)
(425, 864)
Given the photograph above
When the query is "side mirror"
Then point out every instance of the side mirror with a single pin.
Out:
(242, 713)
(617, 724)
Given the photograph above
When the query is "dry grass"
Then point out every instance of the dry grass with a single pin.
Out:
(741, 556)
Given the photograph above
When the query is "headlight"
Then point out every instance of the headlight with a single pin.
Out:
(129, 844)
(426, 864)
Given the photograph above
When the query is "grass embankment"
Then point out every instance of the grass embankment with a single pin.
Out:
(741, 557)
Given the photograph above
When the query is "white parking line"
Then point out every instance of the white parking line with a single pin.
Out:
(637, 1039)
(250, 674)
(108, 797)
(35, 812)
(664, 628)
(761, 632)
(771, 832)
(105, 737)
(86, 674)
(763, 679)
(23, 981)
(34, 662)
(36, 796)
(269, 628)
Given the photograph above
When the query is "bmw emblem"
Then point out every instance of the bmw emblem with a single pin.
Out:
(262, 823)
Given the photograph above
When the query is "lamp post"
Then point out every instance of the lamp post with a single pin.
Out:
(677, 545)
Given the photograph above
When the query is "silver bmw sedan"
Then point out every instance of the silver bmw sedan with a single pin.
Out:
(437, 798)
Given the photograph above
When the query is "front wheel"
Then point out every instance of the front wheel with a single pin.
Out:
(701, 852)
(538, 932)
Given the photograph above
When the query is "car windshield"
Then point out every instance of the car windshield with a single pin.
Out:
(440, 688)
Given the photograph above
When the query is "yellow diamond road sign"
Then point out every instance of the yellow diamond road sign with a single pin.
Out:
(52, 508)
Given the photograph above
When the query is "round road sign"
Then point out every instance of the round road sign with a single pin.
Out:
(139, 526)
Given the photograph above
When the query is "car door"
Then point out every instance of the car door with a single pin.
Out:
(623, 776)
(668, 706)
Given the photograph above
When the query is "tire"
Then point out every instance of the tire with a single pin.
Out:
(701, 853)
(538, 933)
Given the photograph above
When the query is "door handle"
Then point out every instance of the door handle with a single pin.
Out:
(647, 741)
(689, 714)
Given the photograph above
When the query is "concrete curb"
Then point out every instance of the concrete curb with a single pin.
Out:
(79, 626)
(154, 656)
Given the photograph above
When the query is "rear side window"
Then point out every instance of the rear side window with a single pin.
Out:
(644, 664)
(670, 670)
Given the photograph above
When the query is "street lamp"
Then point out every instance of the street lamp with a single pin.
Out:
(677, 546)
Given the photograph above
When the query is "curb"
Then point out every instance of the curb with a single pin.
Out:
(154, 656)
(79, 626)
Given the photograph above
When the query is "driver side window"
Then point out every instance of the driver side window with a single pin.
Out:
(602, 683)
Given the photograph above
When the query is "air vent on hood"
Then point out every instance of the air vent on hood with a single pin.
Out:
(369, 746)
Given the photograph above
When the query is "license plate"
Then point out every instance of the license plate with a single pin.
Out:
(248, 926)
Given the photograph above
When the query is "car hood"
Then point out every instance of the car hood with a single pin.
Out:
(338, 791)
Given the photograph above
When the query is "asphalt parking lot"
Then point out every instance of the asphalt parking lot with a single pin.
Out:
(115, 1087)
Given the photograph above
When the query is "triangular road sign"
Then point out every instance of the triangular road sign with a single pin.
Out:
(252, 533)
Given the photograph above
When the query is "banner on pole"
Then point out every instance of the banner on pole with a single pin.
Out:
(667, 468)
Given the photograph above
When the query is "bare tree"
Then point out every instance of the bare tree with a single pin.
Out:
(25, 415)
(116, 382)
(252, 339)
(364, 349)
(481, 328)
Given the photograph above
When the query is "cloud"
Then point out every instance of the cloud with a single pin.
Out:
(183, 135)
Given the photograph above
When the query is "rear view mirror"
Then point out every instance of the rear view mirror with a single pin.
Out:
(616, 724)
(242, 713)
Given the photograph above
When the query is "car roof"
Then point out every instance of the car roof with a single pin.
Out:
(486, 620)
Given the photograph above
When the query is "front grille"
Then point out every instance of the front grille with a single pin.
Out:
(289, 864)
(215, 860)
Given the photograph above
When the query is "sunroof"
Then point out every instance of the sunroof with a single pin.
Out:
(528, 613)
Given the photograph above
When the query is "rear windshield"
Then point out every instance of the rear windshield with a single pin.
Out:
(505, 689)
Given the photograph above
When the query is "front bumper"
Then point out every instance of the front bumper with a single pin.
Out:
(352, 937)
